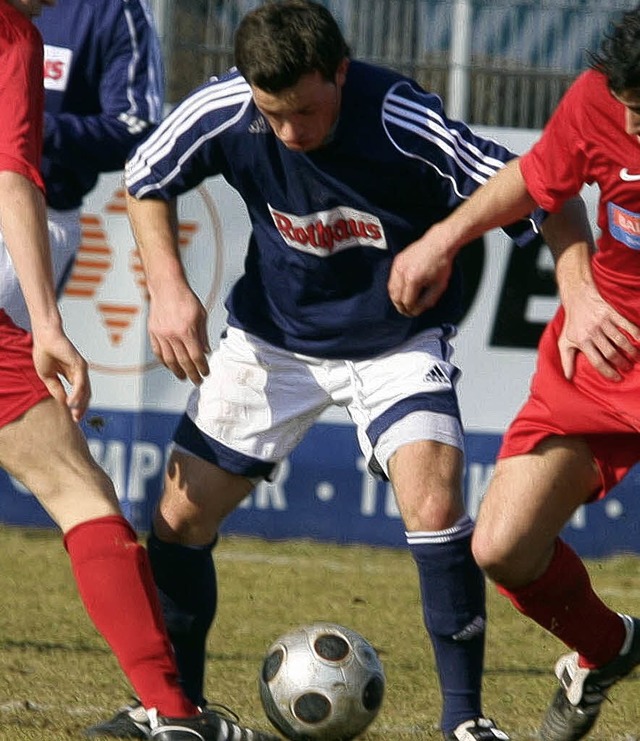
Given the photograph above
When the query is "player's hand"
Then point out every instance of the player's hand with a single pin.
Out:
(54, 356)
(178, 334)
(597, 330)
(420, 275)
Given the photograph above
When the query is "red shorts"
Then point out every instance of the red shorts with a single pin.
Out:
(20, 386)
(605, 413)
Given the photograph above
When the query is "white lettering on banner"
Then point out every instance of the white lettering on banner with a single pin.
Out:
(478, 476)
(270, 494)
(146, 462)
(19, 487)
(390, 503)
(368, 491)
(369, 494)
(112, 456)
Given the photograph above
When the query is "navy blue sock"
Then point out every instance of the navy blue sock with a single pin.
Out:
(186, 581)
(453, 604)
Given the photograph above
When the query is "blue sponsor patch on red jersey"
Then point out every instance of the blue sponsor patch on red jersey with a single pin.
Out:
(624, 225)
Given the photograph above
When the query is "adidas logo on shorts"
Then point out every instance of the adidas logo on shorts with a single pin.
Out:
(436, 375)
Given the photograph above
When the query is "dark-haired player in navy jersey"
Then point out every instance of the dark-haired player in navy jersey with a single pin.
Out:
(341, 165)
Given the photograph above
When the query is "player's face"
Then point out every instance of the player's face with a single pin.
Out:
(30, 8)
(630, 99)
(303, 115)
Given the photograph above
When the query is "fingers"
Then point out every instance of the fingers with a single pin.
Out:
(604, 363)
(78, 399)
(618, 330)
(628, 327)
(184, 359)
(79, 395)
(412, 298)
(609, 351)
(567, 359)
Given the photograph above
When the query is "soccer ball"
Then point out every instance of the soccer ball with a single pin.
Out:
(321, 682)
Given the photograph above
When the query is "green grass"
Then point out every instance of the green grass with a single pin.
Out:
(57, 675)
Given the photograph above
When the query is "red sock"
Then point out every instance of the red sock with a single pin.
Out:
(115, 582)
(563, 602)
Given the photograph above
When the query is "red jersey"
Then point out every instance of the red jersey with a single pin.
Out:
(21, 116)
(21, 123)
(585, 142)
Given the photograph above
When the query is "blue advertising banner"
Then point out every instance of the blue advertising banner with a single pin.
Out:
(322, 491)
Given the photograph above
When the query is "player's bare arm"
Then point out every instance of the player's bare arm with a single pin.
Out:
(420, 273)
(23, 224)
(177, 318)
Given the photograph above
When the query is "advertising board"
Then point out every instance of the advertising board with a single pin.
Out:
(323, 490)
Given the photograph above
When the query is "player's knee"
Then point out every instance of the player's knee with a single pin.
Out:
(491, 554)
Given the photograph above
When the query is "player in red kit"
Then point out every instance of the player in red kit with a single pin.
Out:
(578, 433)
(40, 443)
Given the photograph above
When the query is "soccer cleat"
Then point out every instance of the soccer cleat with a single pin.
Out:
(208, 726)
(130, 721)
(480, 729)
(577, 702)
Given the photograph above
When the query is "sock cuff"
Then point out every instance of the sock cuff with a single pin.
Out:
(117, 523)
(154, 540)
(461, 529)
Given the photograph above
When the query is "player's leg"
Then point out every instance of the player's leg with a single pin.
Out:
(44, 449)
(426, 478)
(111, 568)
(409, 428)
(196, 498)
(238, 426)
(530, 499)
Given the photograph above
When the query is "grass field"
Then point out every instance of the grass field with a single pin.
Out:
(57, 675)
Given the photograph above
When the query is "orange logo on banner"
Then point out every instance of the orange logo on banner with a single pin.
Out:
(99, 277)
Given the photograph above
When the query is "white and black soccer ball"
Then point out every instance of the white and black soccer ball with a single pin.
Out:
(321, 682)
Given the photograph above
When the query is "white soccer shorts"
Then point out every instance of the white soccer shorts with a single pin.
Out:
(258, 401)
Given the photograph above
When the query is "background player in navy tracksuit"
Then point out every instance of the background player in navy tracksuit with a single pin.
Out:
(341, 166)
(104, 82)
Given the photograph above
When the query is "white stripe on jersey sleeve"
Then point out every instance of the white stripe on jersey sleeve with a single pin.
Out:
(429, 125)
(152, 94)
(161, 143)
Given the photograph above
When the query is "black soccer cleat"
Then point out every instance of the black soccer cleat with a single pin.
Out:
(479, 729)
(577, 702)
(130, 721)
(208, 726)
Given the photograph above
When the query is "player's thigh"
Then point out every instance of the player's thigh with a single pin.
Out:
(46, 451)
(529, 500)
(197, 496)
(427, 481)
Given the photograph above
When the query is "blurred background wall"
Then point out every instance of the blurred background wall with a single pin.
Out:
(494, 62)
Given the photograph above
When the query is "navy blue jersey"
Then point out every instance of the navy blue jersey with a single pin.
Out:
(326, 223)
(104, 87)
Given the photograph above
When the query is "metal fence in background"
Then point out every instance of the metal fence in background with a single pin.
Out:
(494, 62)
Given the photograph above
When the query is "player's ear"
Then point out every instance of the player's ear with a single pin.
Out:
(341, 72)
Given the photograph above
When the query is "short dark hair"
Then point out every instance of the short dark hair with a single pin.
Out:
(280, 41)
(619, 55)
